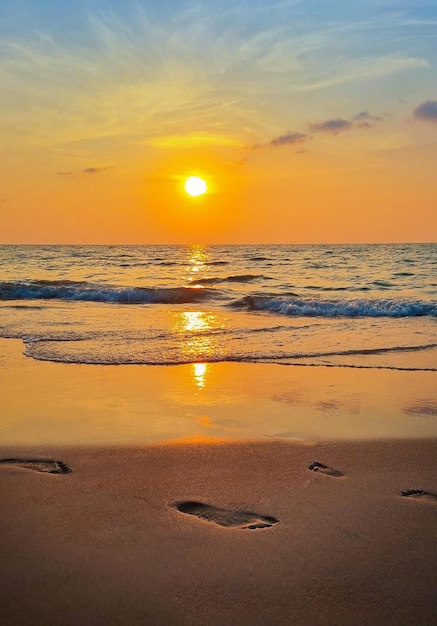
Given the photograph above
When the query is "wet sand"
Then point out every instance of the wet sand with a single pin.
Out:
(226, 534)
(45, 403)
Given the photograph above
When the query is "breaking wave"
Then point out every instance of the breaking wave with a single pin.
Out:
(299, 307)
(240, 278)
(91, 292)
(77, 350)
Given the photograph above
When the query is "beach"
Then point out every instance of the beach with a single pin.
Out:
(106, 543)
(207, 528)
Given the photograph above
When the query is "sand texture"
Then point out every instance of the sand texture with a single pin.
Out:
(229, 534)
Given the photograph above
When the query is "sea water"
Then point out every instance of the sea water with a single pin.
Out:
(370, 306)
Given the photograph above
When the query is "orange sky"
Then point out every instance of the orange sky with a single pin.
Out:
(310, 124)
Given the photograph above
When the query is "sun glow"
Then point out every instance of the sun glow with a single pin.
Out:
(195, 186)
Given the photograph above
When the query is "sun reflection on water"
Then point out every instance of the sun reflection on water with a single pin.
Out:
(197, 340)
(196, 330)
(196, 320)
(197, 259)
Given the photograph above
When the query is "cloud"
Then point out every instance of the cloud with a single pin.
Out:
(427, 111)
(365, 119)
(195, 139)
(86, 170)
(333, 126)
(95, 170)
(340, 125)
(289, 138)
(359, 70)
(136, 74)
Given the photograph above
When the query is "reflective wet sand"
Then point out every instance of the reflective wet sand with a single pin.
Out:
(54, 403)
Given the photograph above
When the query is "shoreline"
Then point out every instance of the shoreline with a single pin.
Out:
(107, 543)
(60, 403)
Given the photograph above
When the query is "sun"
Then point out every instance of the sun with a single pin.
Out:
(195, 186)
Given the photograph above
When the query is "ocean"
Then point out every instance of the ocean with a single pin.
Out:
(356, 306)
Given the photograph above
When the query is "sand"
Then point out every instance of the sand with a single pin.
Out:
(230, 534)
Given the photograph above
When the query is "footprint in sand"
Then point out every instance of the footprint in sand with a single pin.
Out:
(46, 466)
(419, 494)
(225, 517)
(315, 466)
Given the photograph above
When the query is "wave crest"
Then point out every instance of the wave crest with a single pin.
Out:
(299, 307)
(89, 292)
(239, 278)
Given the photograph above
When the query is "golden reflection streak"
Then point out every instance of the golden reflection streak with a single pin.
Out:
(188, 324)
(199, 374)
(193, 326)
(195, 320)
(197, 260)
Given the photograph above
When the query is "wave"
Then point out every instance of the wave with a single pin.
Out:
(385, 284)
(90, 292)
(299, 307)
(316, 288)
(241, 278)
(132, 264)
(51, 349)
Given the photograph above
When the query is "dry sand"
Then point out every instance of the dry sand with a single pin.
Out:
(230, 534)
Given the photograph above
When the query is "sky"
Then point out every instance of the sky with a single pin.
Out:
(312, 121)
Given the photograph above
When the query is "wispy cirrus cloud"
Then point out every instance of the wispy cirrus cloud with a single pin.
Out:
(194, 140)
(138, 76)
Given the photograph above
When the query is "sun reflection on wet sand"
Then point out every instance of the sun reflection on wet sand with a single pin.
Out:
(199, 374)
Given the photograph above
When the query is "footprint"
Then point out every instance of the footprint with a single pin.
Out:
(226, 517)
(46, 466)
(419, 494)
(315, 466)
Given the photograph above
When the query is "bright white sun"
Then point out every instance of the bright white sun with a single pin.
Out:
(195, 186)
